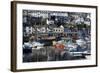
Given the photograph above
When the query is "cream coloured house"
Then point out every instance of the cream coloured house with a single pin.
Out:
(59, 29)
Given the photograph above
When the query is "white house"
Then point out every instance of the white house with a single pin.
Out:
(29, 30)
(49, 22)
(87, 21)
(59, 29)
(42, 29)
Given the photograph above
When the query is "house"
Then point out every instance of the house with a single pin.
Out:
(87, 21)
(58, 14)
(49, 22)
(28, 30)
(59, 29)
(41, 30)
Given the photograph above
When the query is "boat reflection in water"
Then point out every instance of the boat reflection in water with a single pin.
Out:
(52, 50)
